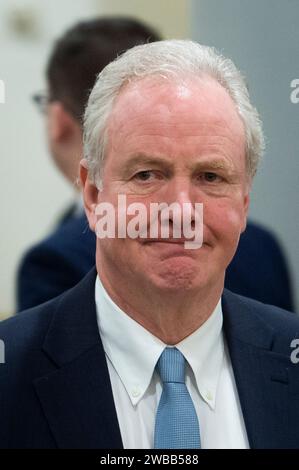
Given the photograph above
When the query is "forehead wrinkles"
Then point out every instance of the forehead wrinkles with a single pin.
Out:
(193, 108)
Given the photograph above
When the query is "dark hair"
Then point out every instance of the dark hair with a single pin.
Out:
(84, 50)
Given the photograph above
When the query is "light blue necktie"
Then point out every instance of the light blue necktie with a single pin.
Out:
(176, 419)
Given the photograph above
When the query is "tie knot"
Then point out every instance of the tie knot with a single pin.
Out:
(171, 366)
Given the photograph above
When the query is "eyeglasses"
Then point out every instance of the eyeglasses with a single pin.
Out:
(41, 100)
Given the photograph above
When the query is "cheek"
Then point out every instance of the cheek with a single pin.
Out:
(116, 251)
(224, 220)
(128, 207)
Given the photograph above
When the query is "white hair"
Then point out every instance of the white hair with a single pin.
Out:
(173, 60)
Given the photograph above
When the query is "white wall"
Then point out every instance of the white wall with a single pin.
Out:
(262, 37)
(171, 17)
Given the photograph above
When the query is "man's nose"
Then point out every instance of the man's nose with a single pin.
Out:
(180, 196)
(179, 190)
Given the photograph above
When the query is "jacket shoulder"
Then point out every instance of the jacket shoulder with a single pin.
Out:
(283, 323)
(26, 331)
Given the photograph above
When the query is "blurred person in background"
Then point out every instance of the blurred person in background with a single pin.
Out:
(61, 260)
(258, 270)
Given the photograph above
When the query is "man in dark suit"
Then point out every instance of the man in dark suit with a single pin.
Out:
(55, 386)
(258, 270)
(149, 350)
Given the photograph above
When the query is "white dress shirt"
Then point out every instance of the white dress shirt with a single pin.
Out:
(132, 353)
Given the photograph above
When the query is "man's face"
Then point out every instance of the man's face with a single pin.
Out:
(175, 143)
(64, 135)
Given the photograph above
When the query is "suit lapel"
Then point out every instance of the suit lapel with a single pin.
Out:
(77, 397)
(263, 377)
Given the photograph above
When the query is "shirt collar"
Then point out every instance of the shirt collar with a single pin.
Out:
(204, 351)
(134, 351)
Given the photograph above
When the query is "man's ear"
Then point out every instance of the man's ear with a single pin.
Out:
(90, 195)
(246, 209)
(60, 122)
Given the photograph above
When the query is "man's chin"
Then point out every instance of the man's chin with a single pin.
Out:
(178, 275)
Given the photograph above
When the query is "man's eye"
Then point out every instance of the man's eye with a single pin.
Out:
(145, 175)
(210, 177)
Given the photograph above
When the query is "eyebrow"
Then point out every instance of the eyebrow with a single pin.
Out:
(216, 164)
(143, 159)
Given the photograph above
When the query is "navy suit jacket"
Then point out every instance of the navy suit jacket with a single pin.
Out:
(55, 389)
(59, 262)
